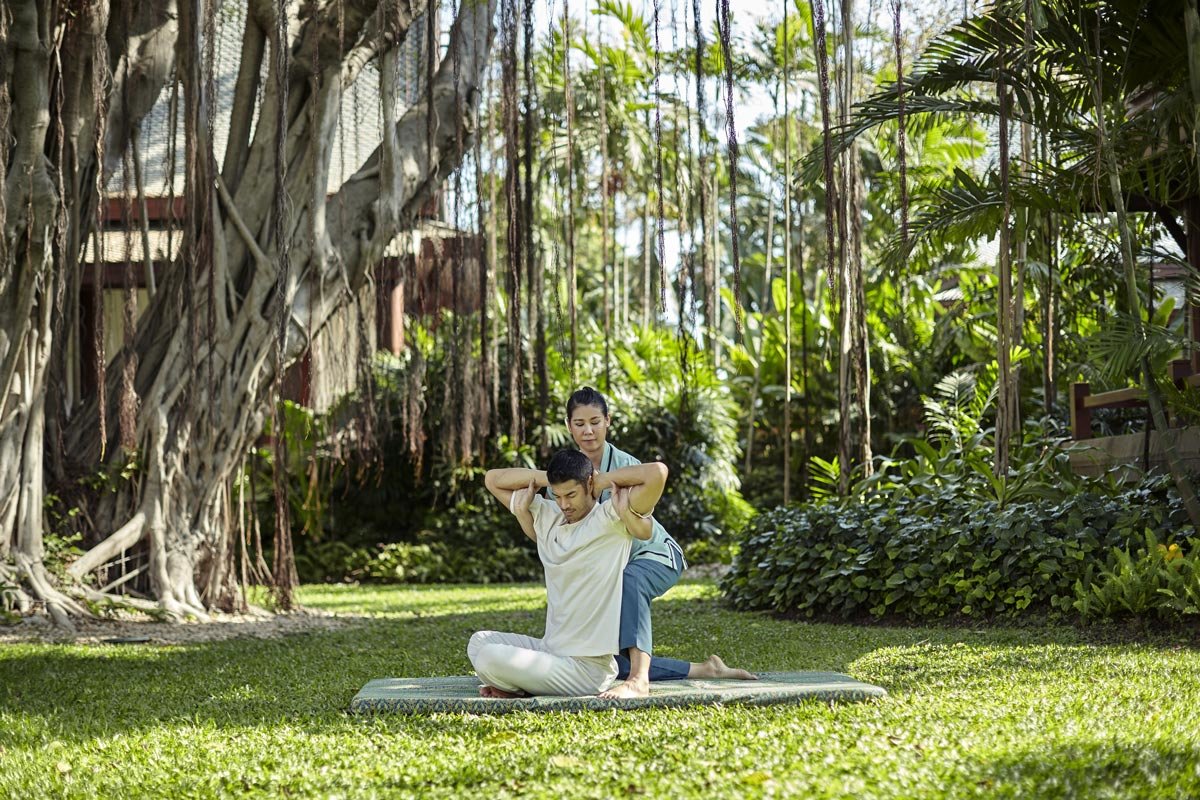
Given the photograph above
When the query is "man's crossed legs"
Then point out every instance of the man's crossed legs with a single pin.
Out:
(514, 665)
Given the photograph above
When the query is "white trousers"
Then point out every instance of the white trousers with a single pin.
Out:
(514, 662)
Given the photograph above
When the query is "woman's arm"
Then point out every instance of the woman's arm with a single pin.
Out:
(644, 481)
(639, 527)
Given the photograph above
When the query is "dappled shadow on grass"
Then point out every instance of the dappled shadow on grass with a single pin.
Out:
(306, 681)
(422, 599)
(99, 690)
(924, 667)
(1135, 630)
(1145, 768)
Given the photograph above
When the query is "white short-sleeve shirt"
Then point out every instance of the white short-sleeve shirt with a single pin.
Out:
(584, 562)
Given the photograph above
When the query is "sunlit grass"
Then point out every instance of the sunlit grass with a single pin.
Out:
(1045, 712)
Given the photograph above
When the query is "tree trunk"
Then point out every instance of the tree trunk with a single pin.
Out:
(32, 271)
(1004, 395)
(204, 402)
(752, 409)
(853, 267)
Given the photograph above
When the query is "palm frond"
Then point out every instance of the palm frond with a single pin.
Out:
(1120, 347)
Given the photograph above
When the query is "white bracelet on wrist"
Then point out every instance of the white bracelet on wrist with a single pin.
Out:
(647, 515)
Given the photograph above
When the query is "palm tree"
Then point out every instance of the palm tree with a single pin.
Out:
(1108, 85)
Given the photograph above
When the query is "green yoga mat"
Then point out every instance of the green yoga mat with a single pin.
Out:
(460, 693)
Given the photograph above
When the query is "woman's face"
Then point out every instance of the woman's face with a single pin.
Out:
(589, 428)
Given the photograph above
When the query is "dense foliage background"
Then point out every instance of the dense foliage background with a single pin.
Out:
(733, 379)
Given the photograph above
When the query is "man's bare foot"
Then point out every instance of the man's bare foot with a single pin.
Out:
(714, 667)
(633, 687)
(499, 694)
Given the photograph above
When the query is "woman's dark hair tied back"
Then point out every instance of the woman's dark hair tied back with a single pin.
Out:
(586, 396)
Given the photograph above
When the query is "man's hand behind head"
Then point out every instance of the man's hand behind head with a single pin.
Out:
(523, 498)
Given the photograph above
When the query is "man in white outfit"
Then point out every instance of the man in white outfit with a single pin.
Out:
(584, 547)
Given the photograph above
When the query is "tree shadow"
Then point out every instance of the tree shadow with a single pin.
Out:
(306, 680)
(1091, 769)
(88, 691)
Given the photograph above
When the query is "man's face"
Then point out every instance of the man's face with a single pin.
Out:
(574, 499)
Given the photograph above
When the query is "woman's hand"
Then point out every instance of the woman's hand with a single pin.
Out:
(600, 482)
(620, 499)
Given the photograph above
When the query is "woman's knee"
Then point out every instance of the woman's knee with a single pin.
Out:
(634, 588)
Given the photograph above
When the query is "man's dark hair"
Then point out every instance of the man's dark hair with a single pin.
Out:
(586, 396)
(568, 465)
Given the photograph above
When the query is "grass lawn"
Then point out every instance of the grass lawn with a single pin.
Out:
(997, 712)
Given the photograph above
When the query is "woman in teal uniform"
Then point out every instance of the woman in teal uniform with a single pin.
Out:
(655, 565)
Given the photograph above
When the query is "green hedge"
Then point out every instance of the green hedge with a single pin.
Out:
(945, 551)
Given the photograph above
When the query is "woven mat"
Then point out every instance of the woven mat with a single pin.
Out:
(460, 693)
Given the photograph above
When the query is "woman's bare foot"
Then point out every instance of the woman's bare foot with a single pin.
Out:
(499, 694)
(714, 667)
(632, 687)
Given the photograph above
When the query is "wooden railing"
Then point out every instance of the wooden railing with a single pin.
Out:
(1083, 401)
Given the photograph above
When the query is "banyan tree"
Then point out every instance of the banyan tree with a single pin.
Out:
(266, 252)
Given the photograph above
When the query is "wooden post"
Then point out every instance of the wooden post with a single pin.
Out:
(1180, 368)
(1081, 415)
(1192, 220)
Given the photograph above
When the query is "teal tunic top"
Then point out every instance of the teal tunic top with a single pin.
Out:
(658, 546)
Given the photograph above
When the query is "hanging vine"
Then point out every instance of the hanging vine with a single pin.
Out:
(485, 409)
(569, 104)
(556, 256)
(787, 257)
(533, 263)
(489, 337)
(515, 235)
(466, 405)
(127, 403)
(732, 144)
(284, 568)
(699, 180)
(99, 72)
(605, 271)
(660, 233)
(686, 291)
(366, 420)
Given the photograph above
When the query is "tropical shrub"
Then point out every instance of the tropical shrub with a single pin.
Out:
(939, 533)
(959, 544)
(1156, 579)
